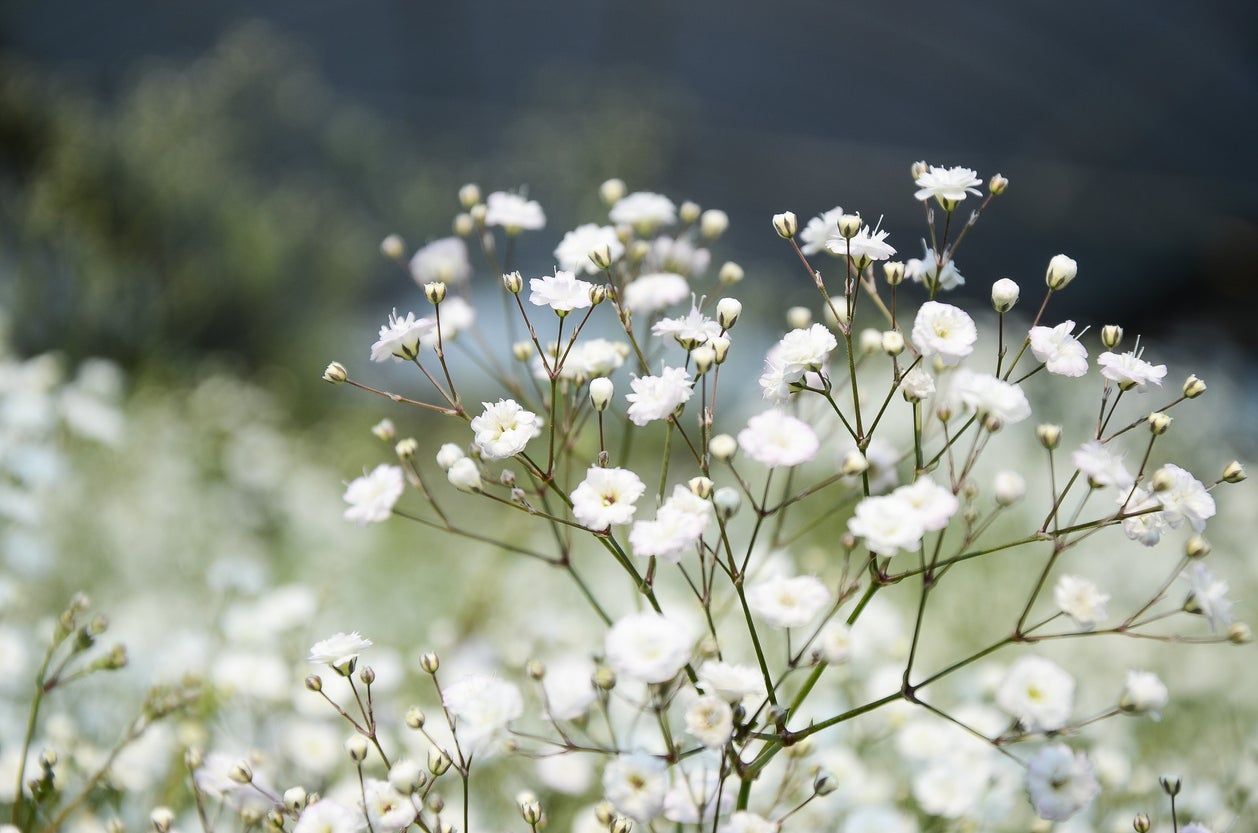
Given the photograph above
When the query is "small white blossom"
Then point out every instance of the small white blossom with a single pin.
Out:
(464, 475)
(387, 808)
(868, 244)
(636, 784)
(788, 602)
(1080, 599)
(731, 682)
(443, 260)
(1038, 692)
(821, 228)
(1130, 371)
(644, 211)
(691, 329)
(775, 438)
(657, 397)
(653, 292)
(400, 337)
(481, 706)
(573, 252)
(569, 690)
(1144, 693)
(513, 212)
(1061, 353)
(710, 720)
(917, 385)
(678, 526)
(989, 396)
(647, 647)
(504, 429)
(1101, 466)
(1186, 499)
(339, 649)
(933, 504)
(371, 498)
(1207, 595)
(888, 524)
(744, 822)
(606, 497)
(927, 270)
(328, 816)
(948, 185)
(562, 292)
(835, 642)
(1060, 782)
(945, 331)
(1009, 487)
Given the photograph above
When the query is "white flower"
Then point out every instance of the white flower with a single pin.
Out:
(1130, 371)
(400, 337)
(1185, 500)
(689, 330)
(606, 497)
(888, 524)
(657, 397)
(710, 720)
(917, 385)
(636, 784)
(676, 255)
(456, 316)
(800, 351)
(387, 808)
(573, 252)
(1144, 692)
(1059, 350)
(678, 526)
(568, 687)
(731, 682)
(1101, 466)
(744, 822)
(948, 185)
(927, 270)
(786, 602)
(562, 292)
(693, 798)
(951, 788)
(449, 454)
(1060, 782)
(647, 647)
(868, 244)
(651, 293)
(587, 359)
(481, 706)
(835, 643)
(1009, 487)
(1142, 524)
(371, 497)
(644, 211)
(504, 429)
(1207, 595)
(1038, 692)
(821, 228)
(933, 504)
(464, 475)
(1005, 294)
(1080, 599)
(443, 260)
(775, 438)
(513, 212)
(339, 650)
(328, 816)
(990, 397)
(945, 331)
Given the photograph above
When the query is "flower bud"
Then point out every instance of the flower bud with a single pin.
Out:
(604, 678)
(415, 717)
(713, 223)
(531, 812)
(1170, 784)
(464, 476)
(997, 185)
(438, 761)
(870, 340)
(727, 501)
(162, 818)
(513, 282)
(1159, 423)
(601, 256)
(314, 683)
(704, 357)
(294, 799)
(406, 448)
(393, 247)
(893, 270)
(430, 662)
(688, 212)
(601, 391)
(1111, 336)
(799, 318)
(477, 213)
(1194, 387)
(700, 487)
(1162, 480)
(612, 191)
(1197, 547)
(835, 316)
(1141, 823)
(241, 772)
(727, 312)
(356, 746)
(448, 455)
(621, 824)
(786, 224)
(604, 812)
(463, 225)
(367, 675)
(1238, 633)
(1004, 295)
(406, 777)
(722, 447)
(893, 342)
(522, 350)
(335, 373)
(824, 783)
(1061, 271)
(598, 294)
(384, 430)
(854, 463)
(1233, 472)
(918, 169)
(1048, 435)
(731, 273)
(639, 250)
(849, 225)
(469, 195)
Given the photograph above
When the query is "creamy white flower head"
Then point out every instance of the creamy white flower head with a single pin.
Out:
(589, 358)
(945, 331)
(449, 454)
(1038, 692)
(775, 438)
(481, 706)
(329, 816)
(644, 211)
(1207, 595)
(443, 260)
(989, 396)
(1060, 782)
(786, 602)
(744, 822)
(947, 184)
(1144, 523)
(648, 647)
(1061, 353)
(568, 687)
(933, 504)
(730, 681)
(710, 720)
(821, 228)
(400, 337)
(1101, 466)
(513, 212)
(926, 270)
(888, 524)
(371, 498)
(1080, 599)
(952, 788)
(457, 316)
(676, 255)
(696, 796)
(562, 292)
(636, 784)
(573, 252)
(464, 475)
(1186, 499)
(868, 244)
(878, 818)
(1009, 487)
(834, 643)
(800, 351)
(1130, 371)
(504, 428)
(917, 384)
(657, 397)
(1195, 827)
(678, 526)
(606, 497)
(339, 649)
(387, 808)
(656, 291)
(691, 329)
(1144, 693)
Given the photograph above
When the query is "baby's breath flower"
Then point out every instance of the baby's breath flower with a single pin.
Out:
(513, 213)
(948, 186)
(648, 647)
(1060, 782)
(945, 331)
(606, 497)
(504, 429)
(339, 651)
(371, 497)
(654, 292)
(562, 292)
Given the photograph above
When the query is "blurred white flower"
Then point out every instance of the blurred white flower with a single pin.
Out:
(1080, 599)
(888, 524)
(513, 212)
(1060, 782)
(371, 497)
(710, 720)
(821, 228)
(644, 211)
(678, 526)
(775, 438)
(648, 647)
(653, 292)
(1038, 692)
(1144, 692)
(482, 706)
(933, 504)
(730, 681)
(636, 784)
(990, 397)
(329, 816)
(573, 252)
(1101, 466)
(386, 808)
(788, 602)
(443, 260)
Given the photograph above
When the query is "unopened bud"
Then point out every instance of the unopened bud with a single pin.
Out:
(1194, 387)
(356, 746)
(393, 247)
(463, 225)
(406, 448)
(294, 799)
(430, 662)
(893, 270)
(688, 212)
(720, 347)
(604, 678)
(893, 342)
(786, 224)
(722, 447)
(799, 318)
(870, 340)
(700, 487)
(1061, 271)
(335, 373)
(730, 273)
(997, 185)
(1233, 472)
(1141, 823)
(162, 818)
(438, 761)
(823, 783)
(469, 195)
(1238, 633)
(727, 312)
(1004, 295)
(1170, 784)
(917, 169)
(314, 683)
(522, 350)
(384, 430)
(601, 256)
(1159, 423)
(598, 293)
(1048, 435)
(535, 669)
(854, 463)
(415, 718)
(1111, 336)
(704, 357)
(1162, 480)
(849, 225)
(241, 772)
(601, 392)
(435, 292)
(612, 191)
(727, 501)
(513, 282)
(1197, 547)
(713, 223)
